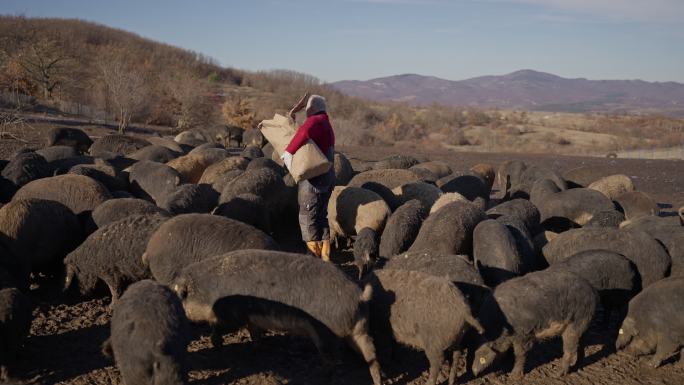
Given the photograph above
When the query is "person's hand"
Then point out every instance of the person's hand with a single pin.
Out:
(287, 159)
(300, 105)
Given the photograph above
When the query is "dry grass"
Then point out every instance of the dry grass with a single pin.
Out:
(185, 90)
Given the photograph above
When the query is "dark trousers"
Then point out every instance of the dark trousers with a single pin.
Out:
(313, 211)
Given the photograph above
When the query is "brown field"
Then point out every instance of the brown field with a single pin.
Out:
(66, 334)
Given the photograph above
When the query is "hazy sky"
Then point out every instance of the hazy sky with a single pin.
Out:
(362, 39)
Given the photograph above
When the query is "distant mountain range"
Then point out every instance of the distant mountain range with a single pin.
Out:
(525, 89)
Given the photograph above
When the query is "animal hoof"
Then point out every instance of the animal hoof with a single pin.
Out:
(516, 375)
(562, 372)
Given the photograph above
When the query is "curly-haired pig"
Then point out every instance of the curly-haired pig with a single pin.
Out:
(648, 255)
(113, 254)
(366, 250)
(402, 228)
(456, 268)
(496, 253)
(655, 322)
(611, 274)
(15, 321)
(450, 229)
(537, 306)
(271, 290)
(149, 336)
(422, 311)
(188, 238)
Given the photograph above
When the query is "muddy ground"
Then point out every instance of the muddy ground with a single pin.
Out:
(66, 334)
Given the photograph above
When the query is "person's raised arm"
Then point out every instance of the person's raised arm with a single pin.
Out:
(299, 106)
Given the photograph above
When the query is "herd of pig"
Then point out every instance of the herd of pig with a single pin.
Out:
(184, 231)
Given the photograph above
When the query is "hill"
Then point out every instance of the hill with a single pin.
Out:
(525, 89)
(106, 76)
(105, 73)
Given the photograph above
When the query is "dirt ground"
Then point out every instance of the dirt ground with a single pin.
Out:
(662, 179)
(66, 334)
(64, 348)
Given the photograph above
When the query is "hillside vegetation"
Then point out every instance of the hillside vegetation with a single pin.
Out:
(117, 77)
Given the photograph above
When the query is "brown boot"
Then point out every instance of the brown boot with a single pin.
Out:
(325, 250)
(314, 248)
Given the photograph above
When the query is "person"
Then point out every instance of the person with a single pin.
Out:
(313, 194)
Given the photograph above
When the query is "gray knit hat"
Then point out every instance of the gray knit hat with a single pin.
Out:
(315, 104)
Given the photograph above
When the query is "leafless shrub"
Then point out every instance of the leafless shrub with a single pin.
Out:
(510, 130)
(124, 86)
(237, 111)
(458, 138)
(516, 117)
(551, 138)
(13, 126)
(189, 96)
(477, 118)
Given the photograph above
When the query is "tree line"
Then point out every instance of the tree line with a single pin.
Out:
(115, 76)
(106, 74)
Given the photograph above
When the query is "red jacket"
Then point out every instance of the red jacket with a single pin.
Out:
(316, 128)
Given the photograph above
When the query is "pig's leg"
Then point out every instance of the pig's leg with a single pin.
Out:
(114, 286)
(326, 348)
(255, 333)
(363, 343)
(664, 350)
(436, 358)
(454, 365)
(216, 336)
(520, 351)
(570, 346)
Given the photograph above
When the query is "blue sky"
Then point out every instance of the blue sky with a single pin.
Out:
(363, 39)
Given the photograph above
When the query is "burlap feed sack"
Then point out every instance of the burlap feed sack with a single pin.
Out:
(308, 162)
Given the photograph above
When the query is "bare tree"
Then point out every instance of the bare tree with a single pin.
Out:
(46, 62)
(195, 108)
(238, 112)
(124, 86)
